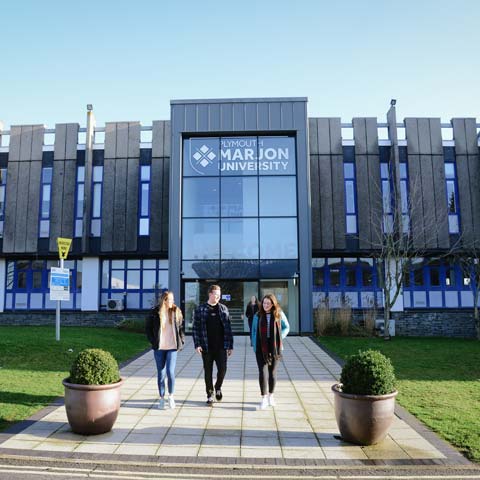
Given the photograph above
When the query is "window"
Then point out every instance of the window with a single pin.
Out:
(452, 198)
(144, 210)
(79, 199)
(350, 197)
(28, 285)
(239, 207)
(97, 182)
(137, 282)
(351, 281)
(3, 189)
(45, 197)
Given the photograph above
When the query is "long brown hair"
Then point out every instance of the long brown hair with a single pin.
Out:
(164, 313)
(276, 309)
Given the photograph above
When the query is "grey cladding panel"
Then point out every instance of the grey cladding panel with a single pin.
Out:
(26, 140)
(338, 192)
(275, 116)
(226, 116)
(263, 116)
(156, 209)
(22, 207)
(202, 115)
(69, 198)
(315, 199)
(471, 136)
(72, 141)
(134, 139)
(165, 203)
(436, 136)
(108, 191)
(326, 202)
(238, 117)
(120, 204)
(416, 201)
(375, 198)
(323, 135)
(474, 170)
(56, 206)
(158, 140)
(14, 147)
(440, 202)
(38, 132)
(313, 136)
(214, 115)
(191, 118)
(372, 135)
(335, 136)
(178, 118)
(465, 199)
(251, 116)
(428, 194)
(122, 140)
(288, 117)
(168, 139)
(10, 207)
(360, 136)
(33, 207)
(132, 204)
(465, 136)
(424, 143)
(60, 141)
(411, 132)
(110, 140)
(363, 201)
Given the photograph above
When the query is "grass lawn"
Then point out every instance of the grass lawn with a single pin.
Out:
(33, 364)
(438, 382)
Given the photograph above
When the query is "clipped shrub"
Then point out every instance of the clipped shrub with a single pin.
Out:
(94, 366)
(368, 373)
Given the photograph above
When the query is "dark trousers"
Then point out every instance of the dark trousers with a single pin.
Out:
(220, 358)
(267, 374)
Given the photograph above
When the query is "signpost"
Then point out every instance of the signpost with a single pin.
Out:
(60, 281)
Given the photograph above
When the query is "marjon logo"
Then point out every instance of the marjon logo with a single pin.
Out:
(203, 156)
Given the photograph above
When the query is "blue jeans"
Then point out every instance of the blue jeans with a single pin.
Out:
(166, 361)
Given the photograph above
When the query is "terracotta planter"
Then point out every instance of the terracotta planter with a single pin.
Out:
(92, 409)
(363, 419)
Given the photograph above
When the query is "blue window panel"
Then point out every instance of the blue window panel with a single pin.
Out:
(239, 197)
(453, 226)
(350, 197)
(201, 197)
(348, 154)
(201, 239)
(466, 298)
(451, 299)
(201, 269)
(351, 299)
(239, 238)
(319, 299)
(335, 299)
(349, 170)
(406, 299)
(435, 299)
(148, 300)
(276, 156)
(133, 300)
(278, 238)
(449, 154)
(367, 299)
(419, 299)
(145, 173)
(351, 224)
(449, 170)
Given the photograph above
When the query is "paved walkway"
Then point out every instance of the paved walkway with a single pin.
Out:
(301, 426)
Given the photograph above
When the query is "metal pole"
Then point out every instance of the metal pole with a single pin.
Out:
(57, 316)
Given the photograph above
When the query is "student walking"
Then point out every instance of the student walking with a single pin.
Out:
(165, 331)
(269, 327)
(251, 310)
(213, 339)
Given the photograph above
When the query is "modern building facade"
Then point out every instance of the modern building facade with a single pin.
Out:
(248, 193)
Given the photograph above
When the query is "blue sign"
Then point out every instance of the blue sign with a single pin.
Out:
(239, 156)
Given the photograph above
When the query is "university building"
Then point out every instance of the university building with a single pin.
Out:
(251, 194)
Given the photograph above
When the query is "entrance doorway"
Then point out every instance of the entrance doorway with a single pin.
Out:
(236, 294)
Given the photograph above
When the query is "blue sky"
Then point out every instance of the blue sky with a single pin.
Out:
(131, 58)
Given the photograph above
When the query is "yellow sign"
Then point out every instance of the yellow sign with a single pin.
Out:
(63, 247)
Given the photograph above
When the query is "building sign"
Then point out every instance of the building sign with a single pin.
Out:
(239, 156)
(59, 284)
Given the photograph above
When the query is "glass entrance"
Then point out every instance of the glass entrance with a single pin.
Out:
(236, 294)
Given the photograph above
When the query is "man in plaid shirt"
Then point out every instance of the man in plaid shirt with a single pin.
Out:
(213, 339)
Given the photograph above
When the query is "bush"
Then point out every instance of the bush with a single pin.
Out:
(368, 373)
(94, 366)
(136, 325)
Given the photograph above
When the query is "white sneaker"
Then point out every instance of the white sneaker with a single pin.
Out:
(161, 404)
(264, 403)
(271, 400)
(171, 402)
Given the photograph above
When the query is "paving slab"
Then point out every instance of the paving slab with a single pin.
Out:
(300, 428)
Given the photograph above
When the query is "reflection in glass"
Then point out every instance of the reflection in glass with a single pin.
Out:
(201, 197)
(239, 197)
(278, 197)
(278, 238)
(201, 239)
(239, 238)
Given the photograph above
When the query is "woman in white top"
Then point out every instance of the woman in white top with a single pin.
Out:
(165, 331)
